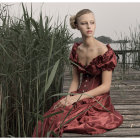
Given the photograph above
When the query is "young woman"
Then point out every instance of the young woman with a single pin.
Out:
(91, 110)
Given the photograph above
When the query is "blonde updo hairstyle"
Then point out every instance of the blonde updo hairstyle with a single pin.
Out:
(73, 18)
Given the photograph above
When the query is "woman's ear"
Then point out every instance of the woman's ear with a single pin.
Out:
(95, 25)
(77, 26)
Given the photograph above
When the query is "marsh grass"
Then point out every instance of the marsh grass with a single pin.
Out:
(132, 59)
(32, 58)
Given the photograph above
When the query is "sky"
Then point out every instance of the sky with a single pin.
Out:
(112, 19)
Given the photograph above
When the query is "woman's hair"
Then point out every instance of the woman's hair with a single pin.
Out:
(73, 19)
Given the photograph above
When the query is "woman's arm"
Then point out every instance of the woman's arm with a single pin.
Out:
(75, 80)
(101, 89)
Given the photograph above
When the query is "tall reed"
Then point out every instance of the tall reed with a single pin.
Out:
(132, 59)
(32, 58)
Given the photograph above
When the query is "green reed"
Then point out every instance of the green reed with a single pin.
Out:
(32, 58)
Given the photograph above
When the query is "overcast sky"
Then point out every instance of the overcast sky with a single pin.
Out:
(112, 19)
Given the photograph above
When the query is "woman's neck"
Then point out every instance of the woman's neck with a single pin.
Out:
(89, 42)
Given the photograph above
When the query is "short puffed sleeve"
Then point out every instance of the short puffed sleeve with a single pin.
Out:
(108, 61)
(72, 56)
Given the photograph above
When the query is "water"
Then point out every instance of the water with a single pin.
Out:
(116, 46)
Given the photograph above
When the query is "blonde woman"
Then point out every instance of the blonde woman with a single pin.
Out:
(91, 110)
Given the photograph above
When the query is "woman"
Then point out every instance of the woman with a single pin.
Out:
(90, 111)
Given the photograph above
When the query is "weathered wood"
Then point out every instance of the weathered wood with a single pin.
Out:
(129, 112)
(125, 102)
(122, 132)
(127, 107)
(118, 132)
(125, 51)
(126, 92)
(131, 117)
(128, 87)
(124, 98)
(114, 88)
(121, 95)
(119, 99)
(130, 124)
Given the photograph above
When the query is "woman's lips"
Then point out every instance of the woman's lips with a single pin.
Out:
(89, 31)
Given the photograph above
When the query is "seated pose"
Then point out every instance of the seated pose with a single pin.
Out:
(87, 109)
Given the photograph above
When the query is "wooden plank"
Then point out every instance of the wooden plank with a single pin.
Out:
(126, 96)
(131, 81)
(122, 132)
(120, 98)
(130, 124)
(127, 107)
(114, 91)
(129, 112)
(117, 92)
(118, 132)
(125, 88)
(131, 117)
(126, 103)
(125, 91)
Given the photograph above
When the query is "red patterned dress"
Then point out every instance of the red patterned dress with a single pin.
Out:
(88, 116)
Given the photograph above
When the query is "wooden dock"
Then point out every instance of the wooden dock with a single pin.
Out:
(125, 95)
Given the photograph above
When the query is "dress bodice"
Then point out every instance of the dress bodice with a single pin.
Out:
(107, 61)
(92, 73)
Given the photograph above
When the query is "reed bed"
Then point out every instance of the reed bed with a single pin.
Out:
(132, 59)
(32, 58)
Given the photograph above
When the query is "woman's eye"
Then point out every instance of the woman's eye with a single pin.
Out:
(86, 23)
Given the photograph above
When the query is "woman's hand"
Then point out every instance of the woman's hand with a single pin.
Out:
(68, 100)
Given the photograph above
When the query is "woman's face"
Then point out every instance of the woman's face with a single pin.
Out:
(86, 23)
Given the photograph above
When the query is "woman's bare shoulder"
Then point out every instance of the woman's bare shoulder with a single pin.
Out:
(102, 48)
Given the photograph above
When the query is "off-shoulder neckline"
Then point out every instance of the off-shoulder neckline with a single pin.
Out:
(94, 59)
